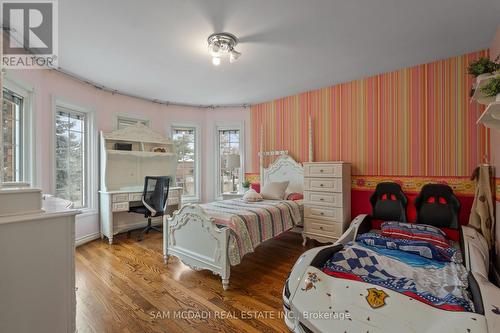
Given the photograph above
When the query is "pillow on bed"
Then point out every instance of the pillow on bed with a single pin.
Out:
(256, 187)
(295, 196)
(274, 190)
(252, 196)
(420, 232)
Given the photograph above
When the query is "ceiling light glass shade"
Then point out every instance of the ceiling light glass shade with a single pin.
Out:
(216, 61)
(234, 55)
(222, 44)
(214, 50)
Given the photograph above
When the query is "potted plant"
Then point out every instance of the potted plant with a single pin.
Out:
(246, 185)
(492, 88)
(483, 67)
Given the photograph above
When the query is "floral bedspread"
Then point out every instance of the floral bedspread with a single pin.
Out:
(252, 223)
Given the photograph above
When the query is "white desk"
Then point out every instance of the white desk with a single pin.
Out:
(114, 207)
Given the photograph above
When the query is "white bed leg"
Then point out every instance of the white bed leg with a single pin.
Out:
(165, 259)
(225, 284)
(304, 242)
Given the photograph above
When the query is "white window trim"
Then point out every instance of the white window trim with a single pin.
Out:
(130, 117)
(221, 127)
(92, 173)
(197, 156)
(29, 131)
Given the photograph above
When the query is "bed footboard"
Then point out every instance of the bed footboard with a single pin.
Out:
(192, 236)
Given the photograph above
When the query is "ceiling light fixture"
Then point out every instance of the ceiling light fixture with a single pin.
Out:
(220, 44)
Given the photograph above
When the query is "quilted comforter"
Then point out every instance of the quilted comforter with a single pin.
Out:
(440, 283)
(252, 223)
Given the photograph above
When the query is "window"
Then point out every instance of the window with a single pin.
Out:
(17, 153)
(71, 129)
(126, 121)
(228, 143)
(185, 141)
(12, 130)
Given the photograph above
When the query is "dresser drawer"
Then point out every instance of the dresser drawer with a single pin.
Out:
(323, 170)
(323, 184)
(323, 228)
(135, 197)
(323, 213)
(120, 197)
(323, 198)
(120, 207)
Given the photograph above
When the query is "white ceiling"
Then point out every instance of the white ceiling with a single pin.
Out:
(157, 49)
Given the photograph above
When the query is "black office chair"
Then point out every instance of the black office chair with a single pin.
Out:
(154, 201)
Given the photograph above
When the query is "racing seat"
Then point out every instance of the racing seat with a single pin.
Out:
(437, 206)
(389, 202)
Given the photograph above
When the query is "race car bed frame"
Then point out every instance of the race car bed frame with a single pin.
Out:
(317, 302)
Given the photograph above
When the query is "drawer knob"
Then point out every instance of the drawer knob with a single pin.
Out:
(321, 170)
(321, 228)
(321, 199)
(322, 213)
(321, 185)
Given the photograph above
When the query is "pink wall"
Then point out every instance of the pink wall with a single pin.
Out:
(50, 84)
(495, 155)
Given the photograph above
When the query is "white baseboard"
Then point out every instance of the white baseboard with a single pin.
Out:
(87, 238)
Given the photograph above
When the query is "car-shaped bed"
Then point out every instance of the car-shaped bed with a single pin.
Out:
(315, 301)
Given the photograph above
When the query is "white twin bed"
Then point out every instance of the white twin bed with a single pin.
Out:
(217, 235)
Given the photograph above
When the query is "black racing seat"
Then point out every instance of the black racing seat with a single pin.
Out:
(389, 202)
(437, 206)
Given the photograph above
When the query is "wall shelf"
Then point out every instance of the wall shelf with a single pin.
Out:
(478, 96)
(491, 116)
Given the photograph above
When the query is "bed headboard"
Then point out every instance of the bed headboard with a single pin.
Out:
(285, 168)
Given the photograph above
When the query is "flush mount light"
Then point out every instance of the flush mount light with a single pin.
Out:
(221, 44)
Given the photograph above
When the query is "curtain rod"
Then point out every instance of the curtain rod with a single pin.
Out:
(156, 101)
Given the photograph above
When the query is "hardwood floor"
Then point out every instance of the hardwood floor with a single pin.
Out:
(125, 287)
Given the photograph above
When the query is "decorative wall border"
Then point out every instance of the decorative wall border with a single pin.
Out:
(462, 186)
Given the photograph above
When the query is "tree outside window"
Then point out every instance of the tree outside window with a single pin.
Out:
(229, 143)
(184, 141)
(70, 156)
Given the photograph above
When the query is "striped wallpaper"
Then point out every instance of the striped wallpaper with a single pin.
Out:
(416, 121)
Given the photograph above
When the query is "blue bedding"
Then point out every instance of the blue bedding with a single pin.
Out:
(417, 269)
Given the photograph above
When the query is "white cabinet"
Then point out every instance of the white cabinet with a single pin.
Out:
(327, 200)
(37, 264)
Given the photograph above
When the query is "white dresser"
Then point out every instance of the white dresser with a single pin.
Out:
(37, 263)
(327, 200)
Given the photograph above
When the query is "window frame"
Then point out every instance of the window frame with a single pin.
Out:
(28, 133)
(197, 156)
(228, 127)
(131, 117)
(91, 173)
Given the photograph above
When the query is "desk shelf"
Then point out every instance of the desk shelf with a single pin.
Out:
(139, 153)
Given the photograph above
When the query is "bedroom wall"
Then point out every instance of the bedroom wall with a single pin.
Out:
(495, 157)
(49, 84)
(413, 125)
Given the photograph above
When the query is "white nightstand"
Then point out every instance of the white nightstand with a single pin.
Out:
(229, 195)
